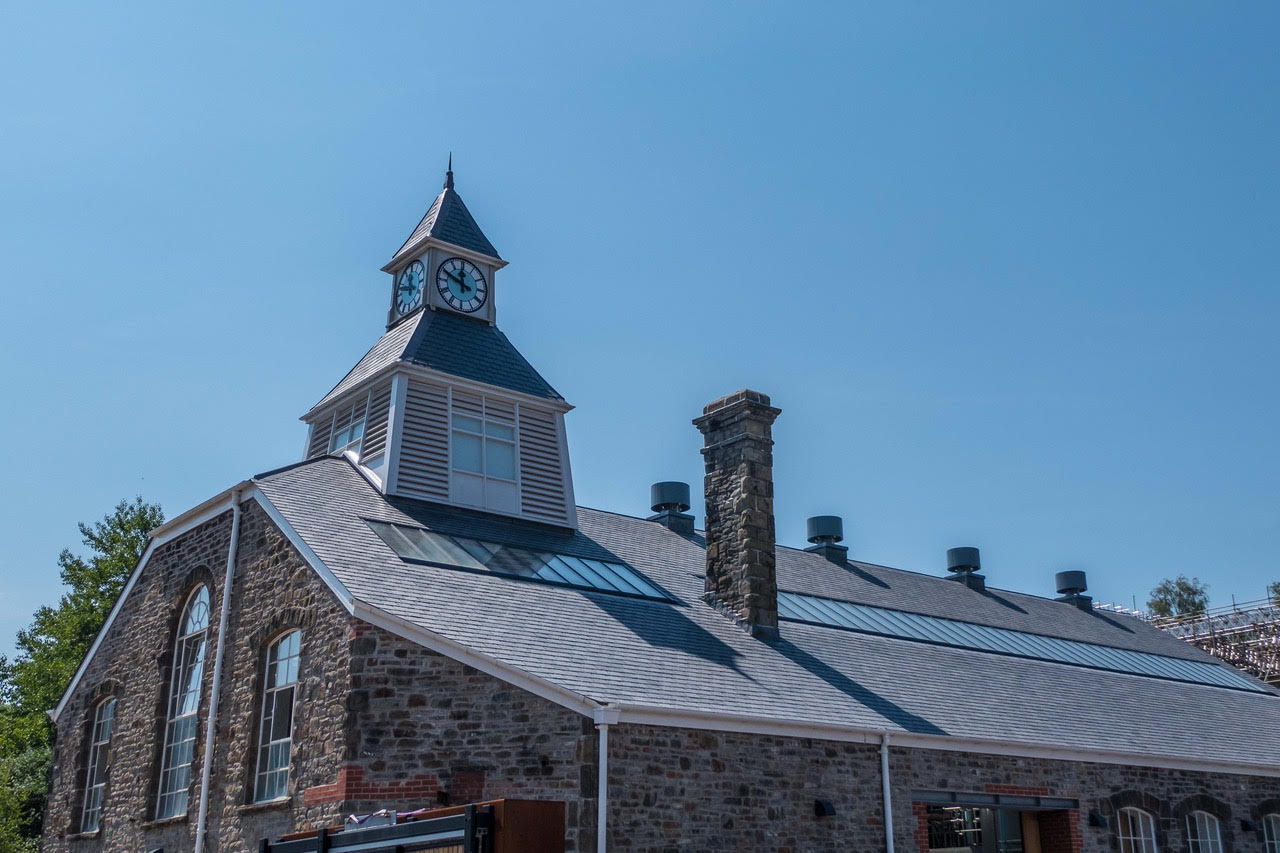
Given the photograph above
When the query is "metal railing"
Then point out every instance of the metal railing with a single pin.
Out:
(468, 832)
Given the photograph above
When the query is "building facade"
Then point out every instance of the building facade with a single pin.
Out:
(418, 613)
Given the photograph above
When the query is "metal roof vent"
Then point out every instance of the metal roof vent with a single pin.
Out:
(1071, 586)
(963, 563)
(669, 500)
(825, 532)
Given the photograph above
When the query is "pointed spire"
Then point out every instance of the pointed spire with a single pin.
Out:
(448, 175)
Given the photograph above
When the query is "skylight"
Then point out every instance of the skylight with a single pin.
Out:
(459, 552)
(966, 635)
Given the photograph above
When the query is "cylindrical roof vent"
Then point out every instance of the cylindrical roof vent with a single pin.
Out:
(963, 560)
(1070, 583)
(669, 496)
(823, 529)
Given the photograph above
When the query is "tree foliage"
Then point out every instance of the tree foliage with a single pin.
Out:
(1273, 592)
(49, 650)
(1179, 596)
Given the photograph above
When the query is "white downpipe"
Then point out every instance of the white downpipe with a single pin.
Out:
(887, 792)
(604, 718)
(207, 770)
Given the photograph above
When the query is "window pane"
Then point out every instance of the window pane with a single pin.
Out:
(467, 423)
(466, 453)
(496, 430)
(500, 460)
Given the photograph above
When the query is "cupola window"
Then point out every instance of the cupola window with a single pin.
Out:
(483, 452)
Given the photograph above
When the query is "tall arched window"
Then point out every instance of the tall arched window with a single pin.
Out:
(275, 738)
(1137, 831)
(184, 703)
(1271, 833)
(95, 782)
(1203, 834)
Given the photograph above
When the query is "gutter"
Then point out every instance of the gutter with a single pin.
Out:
(212, 724)
(604, 718)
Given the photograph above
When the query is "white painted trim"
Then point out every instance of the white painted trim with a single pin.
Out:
(477, 660)
(428, 242)
(886, 792)
(330, 579)
(163, 534)
(822, 731)
(604, 717)
(395, 428)
(566, 473)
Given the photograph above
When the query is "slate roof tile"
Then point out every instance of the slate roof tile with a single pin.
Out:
(686, 656)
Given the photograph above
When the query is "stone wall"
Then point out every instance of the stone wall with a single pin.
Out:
(272, 590)
(425, 726)
(675, 789)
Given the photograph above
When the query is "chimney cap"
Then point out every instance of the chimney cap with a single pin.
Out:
(821, 529)
(964, 560)
(1070, 582)
(669, 495)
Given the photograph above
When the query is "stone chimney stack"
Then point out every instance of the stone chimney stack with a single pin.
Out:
(741, 564)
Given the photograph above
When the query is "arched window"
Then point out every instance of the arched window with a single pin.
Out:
(95, 782)
(1271, 833)
(184, 702)
(1203, 835)
(275, 738)
(1137, 831)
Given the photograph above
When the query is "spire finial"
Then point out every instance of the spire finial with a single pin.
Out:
(448, 175)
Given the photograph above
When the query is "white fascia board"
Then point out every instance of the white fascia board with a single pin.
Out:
(330, 579)
(413, 250)
(477, 660)
(673, 718)
(192, 518)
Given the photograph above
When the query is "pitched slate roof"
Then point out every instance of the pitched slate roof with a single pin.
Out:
(449, 220)
(453, 344)
(686, 657)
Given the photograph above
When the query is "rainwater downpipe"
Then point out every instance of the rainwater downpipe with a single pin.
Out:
(604, 718)
(207, 770)
(887, 792)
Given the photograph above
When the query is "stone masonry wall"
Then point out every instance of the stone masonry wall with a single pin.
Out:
(272, 590)
(680, 789)
(424, 726)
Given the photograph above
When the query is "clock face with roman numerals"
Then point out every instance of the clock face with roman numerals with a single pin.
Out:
(461, 285)
(409, 288)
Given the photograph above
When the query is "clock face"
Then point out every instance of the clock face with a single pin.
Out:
(461, 285)
(409, 287)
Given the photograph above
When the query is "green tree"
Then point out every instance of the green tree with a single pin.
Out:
(1179, 597)
(1273, 592)
(49, 651)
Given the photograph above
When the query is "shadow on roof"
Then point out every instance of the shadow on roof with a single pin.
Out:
(895, 714)
(665, 626)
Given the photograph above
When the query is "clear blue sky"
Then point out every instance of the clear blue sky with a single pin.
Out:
(1010, 270)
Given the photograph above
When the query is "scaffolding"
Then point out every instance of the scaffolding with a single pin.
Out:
(1245, 635)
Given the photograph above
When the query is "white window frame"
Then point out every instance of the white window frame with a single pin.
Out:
(1271, 833)
(1136, 829)
(497, 493)
(271, 775)
(358, 415)
(95, 781)
(1204, 833)
(183, 708)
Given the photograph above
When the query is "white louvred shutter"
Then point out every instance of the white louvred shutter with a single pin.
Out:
(424, 446)
(542, 488)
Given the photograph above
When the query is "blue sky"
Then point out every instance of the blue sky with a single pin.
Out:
(1008, 269)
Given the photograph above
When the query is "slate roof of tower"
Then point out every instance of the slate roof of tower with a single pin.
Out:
(686, 656)
(453, 344)
(449, 220)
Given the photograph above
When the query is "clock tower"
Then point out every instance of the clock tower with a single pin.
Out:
(446, 264)
(443, 408)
